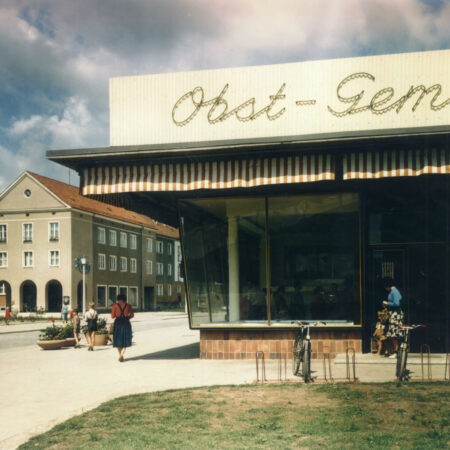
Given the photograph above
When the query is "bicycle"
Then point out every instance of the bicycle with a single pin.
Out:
(301, 352)
(401, 372)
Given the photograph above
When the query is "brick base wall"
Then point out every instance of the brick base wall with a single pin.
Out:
(243, 344)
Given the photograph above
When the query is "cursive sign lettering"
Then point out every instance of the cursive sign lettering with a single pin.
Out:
(379, 104)
(219, 112)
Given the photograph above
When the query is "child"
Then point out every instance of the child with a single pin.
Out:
(379, 333)
(76, 326)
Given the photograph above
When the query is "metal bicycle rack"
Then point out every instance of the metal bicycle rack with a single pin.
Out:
(260, 360)
(326, 357)
(347, 362)
(426, 348)
(447, 368)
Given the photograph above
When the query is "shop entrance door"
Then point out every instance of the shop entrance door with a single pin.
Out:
(409, 268)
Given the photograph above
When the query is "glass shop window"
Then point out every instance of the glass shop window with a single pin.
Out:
(314, 258)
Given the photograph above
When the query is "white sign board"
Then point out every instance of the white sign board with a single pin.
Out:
(355, 95)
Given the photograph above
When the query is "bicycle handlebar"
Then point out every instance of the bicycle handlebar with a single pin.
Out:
(307, 324)
(411, 327)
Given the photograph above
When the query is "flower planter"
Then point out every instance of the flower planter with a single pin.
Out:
(100, 339)
(69, 342)
(51, 345)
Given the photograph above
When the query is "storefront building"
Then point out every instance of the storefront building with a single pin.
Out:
(296, 188)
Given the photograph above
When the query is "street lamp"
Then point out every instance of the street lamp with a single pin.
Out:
(83, 263)
(83, 266)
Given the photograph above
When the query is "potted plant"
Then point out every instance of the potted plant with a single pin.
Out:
(102, 333)
(51, 337)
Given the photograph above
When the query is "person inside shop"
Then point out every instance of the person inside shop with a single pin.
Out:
(280, 309)
(91, 317)
(393, 304)
(122, 312)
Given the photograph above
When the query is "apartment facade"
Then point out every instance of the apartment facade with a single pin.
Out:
(46, 226)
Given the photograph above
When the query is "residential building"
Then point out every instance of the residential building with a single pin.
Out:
(46, 226)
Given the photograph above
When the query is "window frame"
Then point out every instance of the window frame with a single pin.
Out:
(105, 287)
(50, 258)
(133, 265)
(4, 235)
(99, 233)
(51, 237)
(136, 305)
(112, 242)
(25, 252)
(112, 258)
(148, 263)
(101, 257)
(6, 259)
(123, 267)
(24, 232)
(123, 243)
(160, 247)
(159, 269)
(133, 241)
(149, 245)
(159, 286)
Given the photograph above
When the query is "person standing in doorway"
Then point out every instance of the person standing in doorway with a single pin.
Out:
(91, 317)
(64, 312)
(393, 304)
(122, 312)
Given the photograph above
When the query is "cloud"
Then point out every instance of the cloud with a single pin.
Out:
(57, 56)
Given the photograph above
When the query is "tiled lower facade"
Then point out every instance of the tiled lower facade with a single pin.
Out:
(243, 344)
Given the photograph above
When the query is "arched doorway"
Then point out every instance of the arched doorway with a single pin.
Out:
(54, 296)
(28, 293)
(5, 295)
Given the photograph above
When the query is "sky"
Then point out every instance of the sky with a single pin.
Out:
(56, 56)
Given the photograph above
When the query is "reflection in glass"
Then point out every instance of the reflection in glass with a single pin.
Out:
(224, 244)
(314, 258)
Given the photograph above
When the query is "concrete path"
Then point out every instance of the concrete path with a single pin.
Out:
(42, 388)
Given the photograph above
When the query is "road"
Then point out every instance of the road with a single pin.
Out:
(142, 322)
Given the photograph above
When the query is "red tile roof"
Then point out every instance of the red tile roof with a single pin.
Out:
(70, 195)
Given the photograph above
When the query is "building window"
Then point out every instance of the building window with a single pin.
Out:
(53, 231)
(28, 259)
(178, 289)
(169, 270)
(159, 269)
(133, 296)
(169, 248)
(101, 235)
(2, 288)
(169, 290)
(27, 232)
(3, 233)
(112, 238)
(123, 290)
(101, 261)
(159, 290)
(3, 259)
(148, 267)
(112, 263)
(123, 264)
(123, 239)
(159, 247)
(149, 244)
(112, 294)
(133, 265)
(133, 242)
(54, 258)
(101, 296)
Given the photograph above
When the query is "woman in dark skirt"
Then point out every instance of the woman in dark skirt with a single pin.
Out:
(122, 312)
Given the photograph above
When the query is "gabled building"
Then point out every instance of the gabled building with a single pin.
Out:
(46, 225)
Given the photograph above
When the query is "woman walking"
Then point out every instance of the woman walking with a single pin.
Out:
(91, 317)
(122, 312)
(393, 305)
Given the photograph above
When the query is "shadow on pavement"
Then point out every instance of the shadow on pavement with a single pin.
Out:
(190, 351)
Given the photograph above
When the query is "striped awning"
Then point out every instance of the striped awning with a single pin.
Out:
(189, 176)
(384, 164)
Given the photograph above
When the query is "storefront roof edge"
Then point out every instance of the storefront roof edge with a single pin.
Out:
(78, 158)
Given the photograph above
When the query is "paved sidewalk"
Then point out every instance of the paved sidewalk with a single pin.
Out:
(42, 388)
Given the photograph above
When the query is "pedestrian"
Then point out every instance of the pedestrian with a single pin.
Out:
(393, 304)
(64, 312)
(7, 315)
(91, 317)
(76, 326)
(122, 312)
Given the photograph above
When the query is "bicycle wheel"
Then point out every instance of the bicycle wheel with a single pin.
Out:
(297, 354)
(402, 356)
(307, 363)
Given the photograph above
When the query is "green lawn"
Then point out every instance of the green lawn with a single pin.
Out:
(412, 415)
